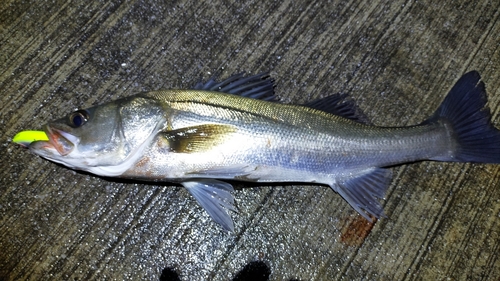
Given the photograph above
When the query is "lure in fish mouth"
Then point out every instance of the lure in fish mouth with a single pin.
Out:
(52, 144)
(48, 142)
(235, 130)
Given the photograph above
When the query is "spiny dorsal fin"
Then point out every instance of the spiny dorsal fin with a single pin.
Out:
(197, 138)
(338, 104)
(258, 86)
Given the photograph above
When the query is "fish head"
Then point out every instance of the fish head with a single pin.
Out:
(79, 139)
(103, 139)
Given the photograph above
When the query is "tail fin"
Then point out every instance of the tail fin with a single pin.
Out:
(464, 108)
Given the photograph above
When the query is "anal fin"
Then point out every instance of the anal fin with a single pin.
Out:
(362, 191)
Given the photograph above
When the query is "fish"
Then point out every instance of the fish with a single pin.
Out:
(237, 129)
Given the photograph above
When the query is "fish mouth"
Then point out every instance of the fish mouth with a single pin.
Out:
(58, 140)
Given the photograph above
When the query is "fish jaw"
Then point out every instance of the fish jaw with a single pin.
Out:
(58, 146)
(62, 148)
(61, 141)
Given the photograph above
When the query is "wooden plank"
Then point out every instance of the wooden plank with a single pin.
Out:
(397, 59)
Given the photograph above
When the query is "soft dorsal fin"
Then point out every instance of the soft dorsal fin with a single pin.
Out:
(258, 86)
(338, 104)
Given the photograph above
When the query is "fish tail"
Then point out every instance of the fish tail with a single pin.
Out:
(464, 109)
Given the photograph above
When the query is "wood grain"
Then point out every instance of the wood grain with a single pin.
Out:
(397, 59)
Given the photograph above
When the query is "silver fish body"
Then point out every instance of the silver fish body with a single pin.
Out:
(215, 135)
(198, 137)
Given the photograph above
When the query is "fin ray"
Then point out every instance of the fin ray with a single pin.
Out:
(464, 108)
(361, 192)
(215, 197)
(257, 86)
(197, 138)
(339, 104)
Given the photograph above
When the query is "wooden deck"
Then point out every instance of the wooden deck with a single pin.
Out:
(397, 59)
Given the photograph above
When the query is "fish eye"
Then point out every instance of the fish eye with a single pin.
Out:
(78, 118)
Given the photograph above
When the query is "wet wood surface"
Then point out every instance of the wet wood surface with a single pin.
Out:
(396, 59)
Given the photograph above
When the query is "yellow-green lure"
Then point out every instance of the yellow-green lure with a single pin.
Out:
(24, 138)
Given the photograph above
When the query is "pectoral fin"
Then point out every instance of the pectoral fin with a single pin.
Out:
(197, 138)
(215, 197)
(362, 191)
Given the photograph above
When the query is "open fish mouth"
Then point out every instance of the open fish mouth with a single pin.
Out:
(48, 140)
(62, 141)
